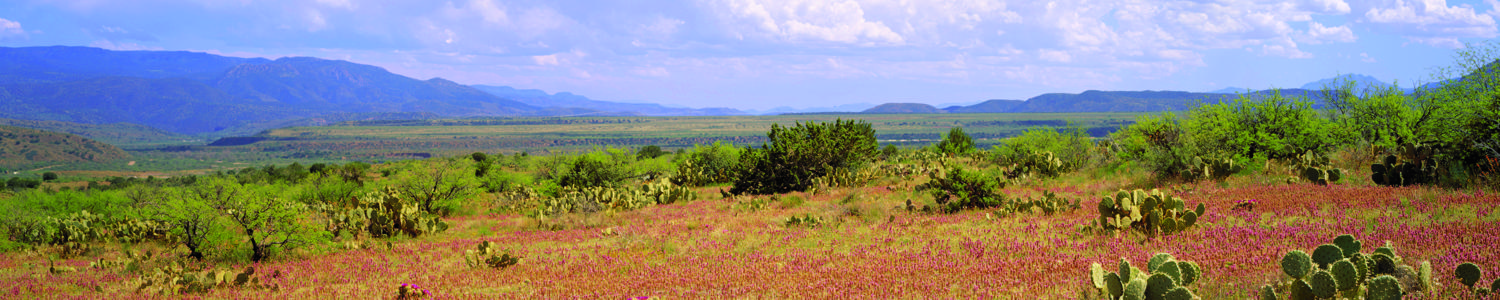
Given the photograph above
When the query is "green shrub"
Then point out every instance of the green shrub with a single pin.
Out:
(798, 154)
(1071, 147)
(960, 189)
(955, 142)
(1271, 126)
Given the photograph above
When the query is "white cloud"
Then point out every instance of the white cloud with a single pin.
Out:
(107, 44)
(492, 13)
(9, 29)
(1318, 34)
(840, 22)
(345, 4)
(652, 72)
(1365, 57)
(545, 60)
(1054, 55)
(1433, 22)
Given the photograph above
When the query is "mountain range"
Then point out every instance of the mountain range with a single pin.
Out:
(210, 95)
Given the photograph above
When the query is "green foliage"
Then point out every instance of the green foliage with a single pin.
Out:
(649, 152)
(1347, 244)
(1271, 126)
(607, 168)
(1046, 151)
(270, 221)
(960, 189)
(798, 154)
(1042, 164)
(889, 151)
(437, 186)
(1151, 213)
(49, 176)
(955, 142)
(1267, 293)
(1136, 290)
(705, 165)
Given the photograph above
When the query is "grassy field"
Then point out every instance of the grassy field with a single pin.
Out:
(868, 246)
(450, 137)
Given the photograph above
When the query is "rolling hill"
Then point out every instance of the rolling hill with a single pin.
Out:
(24, 147)
(113, 134)
(197, 93)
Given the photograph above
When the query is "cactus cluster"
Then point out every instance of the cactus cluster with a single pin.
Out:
(383, 214)
(1315, 168)
(1049, 204)
(805, 220)
(1394, 172)
(1340, 270)
(593, 199)
(1211, 168)
(72, 234)
(1150, 213)
(1165, 278)
(487, 254)
(175, 279)
(1039, 163)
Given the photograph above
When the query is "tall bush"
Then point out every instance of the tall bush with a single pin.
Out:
(956, 142)
(800, 153)
(1271, 126)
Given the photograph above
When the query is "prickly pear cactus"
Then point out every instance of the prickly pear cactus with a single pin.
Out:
(1150, 213)
(1296, 264)
(1384, 287)
(1468, 274)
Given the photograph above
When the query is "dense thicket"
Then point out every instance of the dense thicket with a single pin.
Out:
(798, 154)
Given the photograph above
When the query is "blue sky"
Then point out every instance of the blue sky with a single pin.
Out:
(759, 54)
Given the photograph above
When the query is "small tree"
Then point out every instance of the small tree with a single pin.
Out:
(649, 152)
(187, 209)
(49, 176)
(269, 221)
(956, 142)
(436, 186)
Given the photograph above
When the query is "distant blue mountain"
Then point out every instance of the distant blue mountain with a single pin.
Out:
(541, 98)
(196, 93)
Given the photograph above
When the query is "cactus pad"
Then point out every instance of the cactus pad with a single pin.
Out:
(1125, 268)
(1383, 288)
(1327, 254)
(1096, 275)
(1158, 285)
(1266, 293)
(1468, 274)
(1171, 269)
(1179, 293)
(1348, 244)
(1136, 290)
(1323, 284)
(1383, 264)
(1301, 290)
(1113, 285)
(1345, 275)
(1190, 272)
(1296, 264)
(1157, 260)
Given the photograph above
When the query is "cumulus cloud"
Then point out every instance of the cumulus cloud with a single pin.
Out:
(11, 29)
(1318, 34)
(1433, 22)
(841, 22)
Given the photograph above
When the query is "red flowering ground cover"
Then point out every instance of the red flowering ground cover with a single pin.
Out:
(867, 246)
